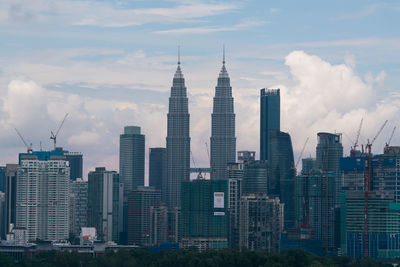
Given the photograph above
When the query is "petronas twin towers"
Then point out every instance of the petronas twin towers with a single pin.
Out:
(223, 140)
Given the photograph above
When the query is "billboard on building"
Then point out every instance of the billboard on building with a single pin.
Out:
(219, 200)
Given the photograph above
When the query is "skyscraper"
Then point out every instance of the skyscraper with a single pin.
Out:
(329, 151)
(269, 118)
(223, 140)
(103, 203)
(281, 172)
(2, 178)
(11, 195)
(140, 202)
(43, 197)
(131, 158)
(255, 177)
(178, 140)
(78, 199)
(157, 167)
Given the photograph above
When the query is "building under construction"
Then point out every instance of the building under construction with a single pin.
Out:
(204, 214)
(370, 219)
(261, 222)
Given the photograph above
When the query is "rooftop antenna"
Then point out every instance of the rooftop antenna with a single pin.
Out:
(179, 54)
(223, 54)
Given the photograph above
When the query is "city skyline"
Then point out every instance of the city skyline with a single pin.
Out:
(328, 81)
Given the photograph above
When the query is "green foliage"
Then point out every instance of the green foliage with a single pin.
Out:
(183, 258)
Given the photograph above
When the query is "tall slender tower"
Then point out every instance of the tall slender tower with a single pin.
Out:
(270, 108)
(223, 140)
(178, 140)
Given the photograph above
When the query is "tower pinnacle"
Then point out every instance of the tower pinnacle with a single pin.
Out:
(223, 54)
(179, 54)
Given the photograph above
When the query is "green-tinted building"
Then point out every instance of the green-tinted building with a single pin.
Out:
(315, 205)
(103, 203)
(382, 236)
(204, 214)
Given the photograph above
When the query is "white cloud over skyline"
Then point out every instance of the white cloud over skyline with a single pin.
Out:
(110, 64)
(318, 96)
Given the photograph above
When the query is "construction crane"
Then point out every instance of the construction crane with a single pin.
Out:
(54, 136)
(367, 186)
(353, 149)
(390, 139)
(28, 147)
(295, 182)
(211, 167)
(199, 175)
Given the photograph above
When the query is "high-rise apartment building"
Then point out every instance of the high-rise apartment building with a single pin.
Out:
(223, 140)
(103, 203)
(261, 222)
(235, 178)
(204, 214)
(158, 167)
(145, 217)
(131, 157)
(178, 141)
(270, 104)
(78, 206)
(42, 203)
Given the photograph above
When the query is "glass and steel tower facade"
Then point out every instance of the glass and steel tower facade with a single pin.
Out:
(103, 203)
(157, 167)
(178, 141)
(269, 118)
(223, 140)
(131, 157)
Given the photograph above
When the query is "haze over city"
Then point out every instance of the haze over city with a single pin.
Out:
(110, 64)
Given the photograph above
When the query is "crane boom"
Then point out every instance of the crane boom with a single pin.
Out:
(358, 135)
(29, 147)
(379, 132)
(391, 136)
(301, 153)
(54, 136)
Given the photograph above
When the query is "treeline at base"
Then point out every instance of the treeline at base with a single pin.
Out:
(188, 258)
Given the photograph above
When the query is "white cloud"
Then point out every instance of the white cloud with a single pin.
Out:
(317, 96)
(84, 138)
(246, 24)
(104, 14)
(332, 98)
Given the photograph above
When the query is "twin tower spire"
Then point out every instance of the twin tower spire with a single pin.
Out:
(223, 140)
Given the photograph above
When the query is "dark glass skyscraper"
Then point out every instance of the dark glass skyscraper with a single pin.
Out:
(178, 140)
(281, 172)
(329, 152)
(276, 149)
(157, 167)
(131, 158)
(269, 118)
(2, 178)
(223, 140)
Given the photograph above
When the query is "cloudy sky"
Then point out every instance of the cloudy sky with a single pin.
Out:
(110, 64)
